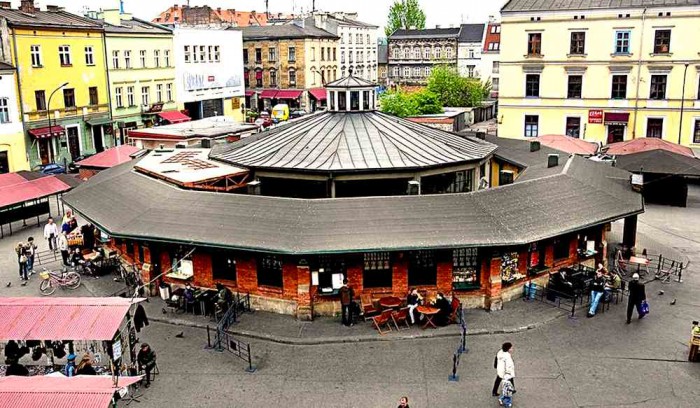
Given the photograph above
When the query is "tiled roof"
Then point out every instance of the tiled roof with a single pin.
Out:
(59, 19)
(348, 142)
(471, 33)
(425, 33)
(285, 31)
(6, 67)
(555, 5)
(645, 144)
(581, 193)
(175, 15)
(136, 26)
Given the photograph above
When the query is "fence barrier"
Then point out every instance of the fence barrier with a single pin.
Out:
(462, 347)
(223, 341)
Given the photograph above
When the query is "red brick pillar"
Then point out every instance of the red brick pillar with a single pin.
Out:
(549, 255)
(305, 307)
(399, 280)
(444, 277)
(493, 289)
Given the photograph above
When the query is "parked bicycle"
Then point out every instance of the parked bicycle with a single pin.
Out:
(51, 280)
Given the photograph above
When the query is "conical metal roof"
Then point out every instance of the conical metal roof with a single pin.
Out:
(350, 82)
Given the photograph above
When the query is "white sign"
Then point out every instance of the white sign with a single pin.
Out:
(117, 350)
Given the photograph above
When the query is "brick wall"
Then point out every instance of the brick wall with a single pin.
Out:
(85, 174)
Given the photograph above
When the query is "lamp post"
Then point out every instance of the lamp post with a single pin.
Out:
(48, 114)
(680, 125)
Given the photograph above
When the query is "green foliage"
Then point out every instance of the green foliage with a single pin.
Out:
(454, 90)
(403, 104)
(404, 14)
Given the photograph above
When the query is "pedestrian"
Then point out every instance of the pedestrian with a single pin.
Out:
(506, 398)
(70, 369)
(63, 247)
(503, 363)
(597, 290)
(636, 297)
(346, 294)
(85, 367)
(22, 260)
(403, 402)
(147, 361)
(51, 233)
(31, 251)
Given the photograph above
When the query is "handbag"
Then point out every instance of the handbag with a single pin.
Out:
(645, 307)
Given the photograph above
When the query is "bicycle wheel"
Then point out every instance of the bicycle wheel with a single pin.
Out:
(46, 287)
(72, 280)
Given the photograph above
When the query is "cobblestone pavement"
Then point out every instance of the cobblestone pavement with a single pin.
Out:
(564, 363)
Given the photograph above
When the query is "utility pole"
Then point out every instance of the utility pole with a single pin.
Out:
(267, 8)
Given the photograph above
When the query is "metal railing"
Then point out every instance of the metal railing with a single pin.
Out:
(462, 347)
(223, 340)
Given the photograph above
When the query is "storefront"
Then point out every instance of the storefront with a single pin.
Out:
(318, 98)
(616, 124)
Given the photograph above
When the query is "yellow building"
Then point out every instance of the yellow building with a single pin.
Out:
(61, 74)
(601, 71)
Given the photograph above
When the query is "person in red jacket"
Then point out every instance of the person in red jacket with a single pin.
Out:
(346, 294)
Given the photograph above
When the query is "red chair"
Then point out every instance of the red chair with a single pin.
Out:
(456, 305)
(384, 319)
(368, 308)
(401, 316)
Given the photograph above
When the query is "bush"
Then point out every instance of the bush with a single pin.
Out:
(403, 104)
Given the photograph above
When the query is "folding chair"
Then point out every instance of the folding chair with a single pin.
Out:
(383, 320)
(401, 316)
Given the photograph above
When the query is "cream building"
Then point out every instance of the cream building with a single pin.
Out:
(602, 71)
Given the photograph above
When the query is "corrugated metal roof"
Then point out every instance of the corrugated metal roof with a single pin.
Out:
(347, 142)
(110, 157)
(555, 5)
(84, 391)
(26, 190)
(39, 18)
(582, 193)
(350, 82)
(284, 31)
(62, 318)
(136, 26)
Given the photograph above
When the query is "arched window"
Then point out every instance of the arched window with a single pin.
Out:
(396, 52)
(416, 53)
(407, 72)
(426, 53)
(417, 72)
(448, 52)
(292, 77)
(438, 52)
(406, 53)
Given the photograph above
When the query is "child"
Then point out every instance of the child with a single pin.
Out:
(506, 398)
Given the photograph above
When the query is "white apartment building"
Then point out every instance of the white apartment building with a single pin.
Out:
(469, 45)
(358, 42)
(490, 69)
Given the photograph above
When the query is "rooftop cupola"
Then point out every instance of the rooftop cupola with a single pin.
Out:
(351, 94)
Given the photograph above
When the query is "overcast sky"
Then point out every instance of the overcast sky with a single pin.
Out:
(443, 12)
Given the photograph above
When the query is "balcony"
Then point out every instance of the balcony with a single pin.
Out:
(68, 112)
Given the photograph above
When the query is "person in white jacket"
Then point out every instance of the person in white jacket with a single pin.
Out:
(63, 247)
(503, 365)
(51, 233)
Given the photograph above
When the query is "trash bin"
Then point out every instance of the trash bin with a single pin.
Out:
(164, 289)
(526, 291)
(533, 290)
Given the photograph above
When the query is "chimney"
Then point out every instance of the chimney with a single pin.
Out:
(27, 6)
(552, 160)
(534, 145)
(5, 5)
(437, 25)
(254, 187)
(112, 17)
(53, 8)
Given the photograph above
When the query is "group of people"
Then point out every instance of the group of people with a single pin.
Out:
(83, 368)
(603, 285)
(26, 252)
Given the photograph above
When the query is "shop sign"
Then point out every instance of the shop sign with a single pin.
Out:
(595, 116)
(211, 78)
(155, 108)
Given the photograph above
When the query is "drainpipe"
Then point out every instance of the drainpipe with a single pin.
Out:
(639, 72)
(109, 86)
(680, 125)
(19, 92)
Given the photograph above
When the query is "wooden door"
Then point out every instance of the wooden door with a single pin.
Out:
(73, 142)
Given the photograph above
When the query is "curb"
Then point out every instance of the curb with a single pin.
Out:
(315, 341)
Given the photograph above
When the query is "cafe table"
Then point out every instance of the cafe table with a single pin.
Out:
(640, 261)
(429, 312)
(389, 302)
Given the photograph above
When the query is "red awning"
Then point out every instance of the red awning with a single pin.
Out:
(26, 190)
(85, 391)
(111, 157)
(174, 117)
(617, 117)
(249, 93)
(44, 133)
(288, 94)
(268, 93)
(41, 318)
(318, 93)
(9, 179)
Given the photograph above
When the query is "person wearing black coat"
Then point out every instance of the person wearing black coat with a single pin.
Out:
(443, 316)
(636, 297)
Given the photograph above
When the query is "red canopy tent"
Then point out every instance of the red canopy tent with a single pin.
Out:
(109, 158)
(174, 117)
(84, 391)
(568, 144)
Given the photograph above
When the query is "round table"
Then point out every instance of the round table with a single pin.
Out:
(390, 302)
(429, 312)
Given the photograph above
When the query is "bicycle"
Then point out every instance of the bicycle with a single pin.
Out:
(51, 280)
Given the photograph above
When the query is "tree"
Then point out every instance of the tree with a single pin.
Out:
(404, 14)
(403, 104)
(454, 90)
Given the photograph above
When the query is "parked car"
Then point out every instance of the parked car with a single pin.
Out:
(51, 168)
(73, 166)
(297, 114)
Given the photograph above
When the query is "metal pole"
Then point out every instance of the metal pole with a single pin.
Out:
(680, 125)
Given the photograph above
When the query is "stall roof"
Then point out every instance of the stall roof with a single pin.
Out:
(568, 144)
(183, 166)
(645, 144)
(659, 162)
(84, 391)
(174, 117)
(25, 190)
(110, 157)
(208, 127)
(40, 318)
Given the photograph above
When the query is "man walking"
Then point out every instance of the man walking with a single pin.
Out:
(51, 233)
(346, 295)
(636, 297)
(147, 361)
(504, 365)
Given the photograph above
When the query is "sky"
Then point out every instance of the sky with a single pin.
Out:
(442, 12)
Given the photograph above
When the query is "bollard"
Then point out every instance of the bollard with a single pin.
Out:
(250, 368)
(208, 338)
(455, 363)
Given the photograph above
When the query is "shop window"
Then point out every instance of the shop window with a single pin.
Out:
(269, 271)
(354, 100)
(223, 266)
(141, 252)
(455, 182)
(535, 258)
(509, 268)
(129, 248)
(422, 268)
(696, 131)
(342, 101)
(331, 271)
(465, 268)
(561, 248)
(365, 100)
(377, 271)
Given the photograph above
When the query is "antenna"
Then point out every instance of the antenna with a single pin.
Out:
(313, 6)
(267, 8)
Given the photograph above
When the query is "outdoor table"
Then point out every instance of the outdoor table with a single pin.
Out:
(640, 261)
(429, 312)
(389, 302)
(206, 300)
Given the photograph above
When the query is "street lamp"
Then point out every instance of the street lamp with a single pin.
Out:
(48, 114)
(680, 125)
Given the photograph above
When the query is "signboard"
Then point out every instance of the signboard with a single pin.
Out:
(155, 108)
(211, 78)
(235, 103)
(595, 116)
